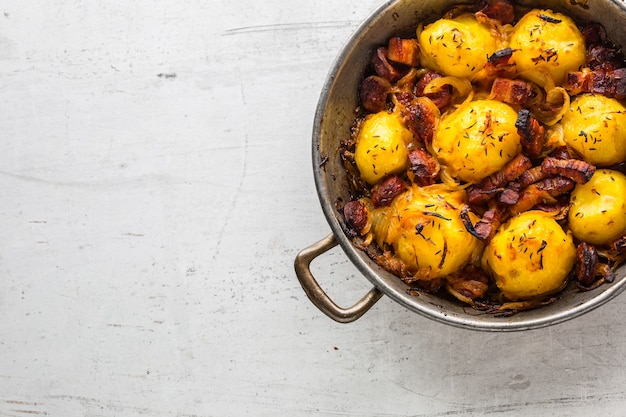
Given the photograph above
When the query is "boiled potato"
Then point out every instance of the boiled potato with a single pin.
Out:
(547, 41)
(458, 47)
(381, 147)
(598, 208)
(477, 139)
(530, 256)
(424, 228)
(594, 127)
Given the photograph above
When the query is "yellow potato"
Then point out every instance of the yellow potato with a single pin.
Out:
(458, 47)
(425, 230)
(381, 147)
(598, 208)
(530, 256)
(594, 128)
(477, 139)
(547, 41)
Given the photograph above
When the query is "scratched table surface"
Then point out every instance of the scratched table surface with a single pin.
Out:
(156, 184)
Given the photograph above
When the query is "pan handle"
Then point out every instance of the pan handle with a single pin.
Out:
(317, 295)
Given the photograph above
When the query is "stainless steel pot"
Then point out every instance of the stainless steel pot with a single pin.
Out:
(333, 119)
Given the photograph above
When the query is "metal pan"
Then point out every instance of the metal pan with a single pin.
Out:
(333, 119)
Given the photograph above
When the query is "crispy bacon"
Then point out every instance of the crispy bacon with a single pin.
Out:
(404, 98)
(604, 58)
(373, 93)
(510, 91)
(384, 193)
(511, 171)
(486, 227)
(441, 98)
(561, 152)
(531, 133)
(493, 184)
(575, 169)
(499, 63)
(544, 191)
(509, 197)
(383, 67)
(478, 195)
(556, 186)
(404, 51)
(609, 83)
(532, 176)
(586, 261)
(587, 267)
(420, 118)
(424, 166)
(580, 81)
(355, 215)
(489, 223)
(500, 57)
(501, 10)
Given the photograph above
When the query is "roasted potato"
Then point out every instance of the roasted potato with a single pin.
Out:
(424, 228)
(381, 147)
(543, 40)
(594, 128)
(530, 256)
(458, 47)
(598, 208)
(477, 139)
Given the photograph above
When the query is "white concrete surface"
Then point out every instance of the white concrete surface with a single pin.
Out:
(156, 186)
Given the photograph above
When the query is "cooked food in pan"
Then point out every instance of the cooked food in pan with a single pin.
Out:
(487, 158)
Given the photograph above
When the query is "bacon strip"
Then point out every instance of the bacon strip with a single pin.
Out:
(404, 51)
(511, 171)
(543, 191)
(609, 83)
(486, 227)
(383, 67)
(588, 267)
(509, 197)
(355, 214)
(586, 261)
(510, 91)
(531, 133)
(561, 153)
(373, 93)
(532, 176)
(424, 166)
(384, 193)
(603, 58)
(575, 169)
(494, 183)
(441, 98)
(489, 223)
(420, 117)
(499, 62)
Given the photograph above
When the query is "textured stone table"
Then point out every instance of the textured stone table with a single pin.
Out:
(156, 186)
